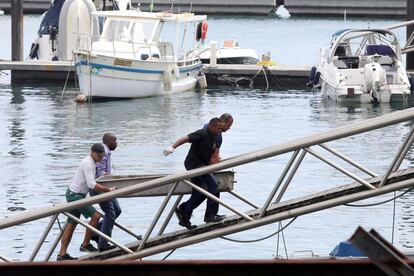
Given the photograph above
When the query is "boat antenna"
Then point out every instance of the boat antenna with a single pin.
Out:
(151, 6)
(172, 5)
(191, 6)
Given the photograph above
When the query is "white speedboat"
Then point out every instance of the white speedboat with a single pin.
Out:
(139, 54)
(231, 53)
(65, 27)
(362, 65)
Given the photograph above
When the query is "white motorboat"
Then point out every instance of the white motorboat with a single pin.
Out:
(65, 27)
(230, 53)
(133, 56)
(362, 65)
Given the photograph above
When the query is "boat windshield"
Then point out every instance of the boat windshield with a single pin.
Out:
(367, 42)
(129, 30)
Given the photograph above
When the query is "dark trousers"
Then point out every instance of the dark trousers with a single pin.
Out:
(112, 210)
(207, 182)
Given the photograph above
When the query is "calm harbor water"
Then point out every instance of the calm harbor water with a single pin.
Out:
(42, 140)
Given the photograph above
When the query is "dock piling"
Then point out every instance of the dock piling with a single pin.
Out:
(213, 53)
(17, 31)
(410, 29)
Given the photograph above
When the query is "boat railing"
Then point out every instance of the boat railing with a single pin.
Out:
(134, 50)
(298, 148)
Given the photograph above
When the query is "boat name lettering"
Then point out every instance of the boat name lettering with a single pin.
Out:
(123, 62)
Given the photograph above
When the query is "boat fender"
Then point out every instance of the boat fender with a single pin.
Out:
(167, 80)
(198, 31)
(81, 98)
(201, 80)
(204, 28)
(316, 78)
(176, 72)
(34, 51)
(312, 74)
(313, 78)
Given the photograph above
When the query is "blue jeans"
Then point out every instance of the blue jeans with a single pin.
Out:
(207, 182)
(112, 210)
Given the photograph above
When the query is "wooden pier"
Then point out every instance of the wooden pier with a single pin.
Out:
(278, 75)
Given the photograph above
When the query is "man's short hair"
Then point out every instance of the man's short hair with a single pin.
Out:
(225, 117)
(214, 121)
(107, 136)
(98, 148)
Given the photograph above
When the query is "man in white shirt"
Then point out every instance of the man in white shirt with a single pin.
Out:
(83, 181)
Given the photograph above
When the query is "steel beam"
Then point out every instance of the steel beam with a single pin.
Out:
(268, 220)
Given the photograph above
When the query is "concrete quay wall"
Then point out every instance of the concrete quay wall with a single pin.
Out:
(353, 8)
(242, 7)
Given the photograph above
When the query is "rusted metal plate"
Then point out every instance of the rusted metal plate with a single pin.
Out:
(313, 267)
(225, 180)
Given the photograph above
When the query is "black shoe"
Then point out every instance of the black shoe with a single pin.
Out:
(106, 248)
(187, 224)
(181, 221)
(65, 257)
(88, 248)
(214, 218)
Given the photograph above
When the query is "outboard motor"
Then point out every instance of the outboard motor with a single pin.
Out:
(313, 78)
(374, 76)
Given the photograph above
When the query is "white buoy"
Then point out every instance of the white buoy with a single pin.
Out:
(202, 81)
(81, 98)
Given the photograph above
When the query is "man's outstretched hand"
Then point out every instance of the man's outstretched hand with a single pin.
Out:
(168, 151)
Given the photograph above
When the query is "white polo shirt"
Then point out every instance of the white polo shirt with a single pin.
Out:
(84, 178)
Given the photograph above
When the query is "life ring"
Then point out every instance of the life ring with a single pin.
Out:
(204, 28)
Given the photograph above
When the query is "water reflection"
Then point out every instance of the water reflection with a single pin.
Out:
(405, 226)
(17, 131)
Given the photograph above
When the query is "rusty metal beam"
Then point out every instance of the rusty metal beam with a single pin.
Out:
(381, 252)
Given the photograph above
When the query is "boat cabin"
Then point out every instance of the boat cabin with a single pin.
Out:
(144, 36)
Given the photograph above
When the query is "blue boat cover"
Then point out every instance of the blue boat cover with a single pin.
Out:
(51, 18)
(345, 249)
(383, 50)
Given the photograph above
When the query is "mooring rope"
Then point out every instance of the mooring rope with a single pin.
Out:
(379, 203)
(261, 239)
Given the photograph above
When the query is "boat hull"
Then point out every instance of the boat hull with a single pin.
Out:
(355, 93)
(110, 77)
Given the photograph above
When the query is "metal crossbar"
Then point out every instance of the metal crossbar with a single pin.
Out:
(97, 232)
(221, 202)
(299, 148)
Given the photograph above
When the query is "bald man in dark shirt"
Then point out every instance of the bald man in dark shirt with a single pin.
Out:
(203, 145)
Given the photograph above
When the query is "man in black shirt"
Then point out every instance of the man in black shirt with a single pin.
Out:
(203, 144)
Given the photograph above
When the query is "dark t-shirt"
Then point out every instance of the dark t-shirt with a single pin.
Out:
(219, 137)
(203, 144)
